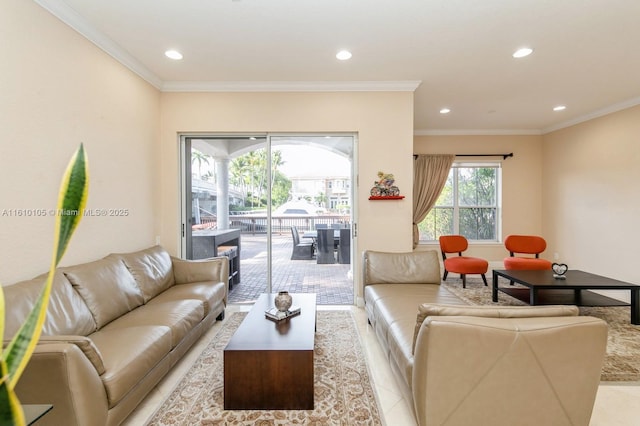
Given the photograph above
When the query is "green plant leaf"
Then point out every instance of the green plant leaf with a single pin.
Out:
(71, 201)
(2, 311)
(10, 409)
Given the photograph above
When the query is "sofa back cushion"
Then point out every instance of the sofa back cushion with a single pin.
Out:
(152, 270)
(107, 287)
(438, 310)
(66, 314)
(194, 271)
(403, 268)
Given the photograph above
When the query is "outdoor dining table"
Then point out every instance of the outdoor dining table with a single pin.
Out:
(314, 235)
(323, 257)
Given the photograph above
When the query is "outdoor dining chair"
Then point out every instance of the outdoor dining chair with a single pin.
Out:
(301, 250)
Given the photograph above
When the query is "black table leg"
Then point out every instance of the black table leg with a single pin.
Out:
(533, 296)
(494, 287)
(635, 307)
(577, 296)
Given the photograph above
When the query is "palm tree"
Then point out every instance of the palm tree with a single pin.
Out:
(239, 172)
(199, 157)
(249, 171)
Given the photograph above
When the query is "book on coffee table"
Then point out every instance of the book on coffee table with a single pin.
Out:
(276, 315)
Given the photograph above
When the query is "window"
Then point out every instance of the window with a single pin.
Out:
(468, 204)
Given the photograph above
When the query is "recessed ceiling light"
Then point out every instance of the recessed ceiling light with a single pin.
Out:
(343, 55)
(445, 111)
(521, 53)
(173, 54)
(559, 108)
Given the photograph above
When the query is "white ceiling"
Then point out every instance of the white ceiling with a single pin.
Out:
(457, 52)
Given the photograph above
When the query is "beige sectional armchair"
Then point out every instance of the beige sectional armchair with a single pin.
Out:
(480, 365)
(114, 328)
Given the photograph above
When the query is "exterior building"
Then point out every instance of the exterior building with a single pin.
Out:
(332, 192)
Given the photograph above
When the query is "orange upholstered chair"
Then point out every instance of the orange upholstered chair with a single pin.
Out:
(529, 245)
(460, 264)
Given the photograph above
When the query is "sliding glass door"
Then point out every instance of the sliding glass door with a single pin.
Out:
(259, 200)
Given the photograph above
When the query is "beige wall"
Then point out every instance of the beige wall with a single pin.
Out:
(577, 186)
(591, 207)
(521, 182)
(382, 120)
(56, 91)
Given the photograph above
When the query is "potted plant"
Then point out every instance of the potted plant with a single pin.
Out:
(71, 201)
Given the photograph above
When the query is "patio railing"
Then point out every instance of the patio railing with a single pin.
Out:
(257, 223)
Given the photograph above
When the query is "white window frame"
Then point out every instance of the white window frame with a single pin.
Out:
(456, 207)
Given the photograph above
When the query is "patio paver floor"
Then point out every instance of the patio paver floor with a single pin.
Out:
(332, 283)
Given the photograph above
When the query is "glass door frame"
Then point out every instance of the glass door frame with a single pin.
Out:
(185, 192)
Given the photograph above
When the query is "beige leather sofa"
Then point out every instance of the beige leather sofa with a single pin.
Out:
(480, 365)
(114, 328)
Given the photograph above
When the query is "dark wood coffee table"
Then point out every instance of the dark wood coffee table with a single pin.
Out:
(269, 365)
(544, 289)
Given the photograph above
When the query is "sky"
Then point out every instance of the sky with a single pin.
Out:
(306, 161)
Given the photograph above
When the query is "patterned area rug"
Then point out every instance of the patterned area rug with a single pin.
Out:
(622, 362)
(343, 391)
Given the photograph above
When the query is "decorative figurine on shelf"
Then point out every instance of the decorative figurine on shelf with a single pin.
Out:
(559, 269)
(384, 186)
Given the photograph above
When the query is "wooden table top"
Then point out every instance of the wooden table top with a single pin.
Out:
(259, 333)
(574, 279)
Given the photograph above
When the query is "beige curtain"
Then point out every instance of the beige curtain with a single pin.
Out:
(429, 177)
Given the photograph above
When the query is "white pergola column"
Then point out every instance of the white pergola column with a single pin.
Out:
(222, 188)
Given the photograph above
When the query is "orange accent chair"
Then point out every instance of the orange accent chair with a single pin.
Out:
(525, 244)
(462, 265)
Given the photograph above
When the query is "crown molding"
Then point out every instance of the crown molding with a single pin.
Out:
(630, 103)
(476, 132)
(69, 16)
(290, 86)
(595, 114)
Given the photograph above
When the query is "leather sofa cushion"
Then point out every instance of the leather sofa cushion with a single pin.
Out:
(432, 310)
(129, 354)
(83, 343)
(191, 271)
(390, 301)
(410, 267)
(389, 309)
(67, 312)
(107, 287)
(181, 316)
(152, 270)
(209, 295)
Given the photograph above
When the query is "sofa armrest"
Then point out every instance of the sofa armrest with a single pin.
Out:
(462, 363)
(85, 344)
(60, 374)
(190, 271)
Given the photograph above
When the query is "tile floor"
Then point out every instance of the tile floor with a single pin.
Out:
(616, 404)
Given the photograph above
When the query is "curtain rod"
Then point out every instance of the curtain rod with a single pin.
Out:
(504, 156)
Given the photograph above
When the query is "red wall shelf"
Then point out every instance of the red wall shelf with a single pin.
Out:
(388, 197)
